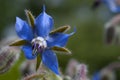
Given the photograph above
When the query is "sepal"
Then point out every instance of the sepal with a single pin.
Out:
(30, 18)
(61, 50)
(61, 29)
(18, 43)
(38, 61)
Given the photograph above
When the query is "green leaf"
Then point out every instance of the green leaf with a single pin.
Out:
(30, 18)
(38, 61)
(61, 49)
(18, 43)
(61, 29)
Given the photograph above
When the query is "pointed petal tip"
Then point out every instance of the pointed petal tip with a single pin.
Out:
(44, 24)
(17, 18)
(49, 59)
(19, 22)
(73, 31)
(44, 8)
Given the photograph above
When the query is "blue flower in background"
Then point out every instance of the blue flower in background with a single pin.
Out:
(96, 76)
(113, 5)
(39, 40)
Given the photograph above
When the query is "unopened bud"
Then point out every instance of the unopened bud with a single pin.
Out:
(8, 56)
(71, 68)
(81, 72)
(112, 31)
(109, 33)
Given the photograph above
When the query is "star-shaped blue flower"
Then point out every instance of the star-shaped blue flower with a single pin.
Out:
(39, 40)
(113, 5)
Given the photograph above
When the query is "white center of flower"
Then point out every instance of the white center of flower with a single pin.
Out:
(38, 45)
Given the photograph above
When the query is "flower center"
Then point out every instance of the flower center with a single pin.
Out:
(38, 45)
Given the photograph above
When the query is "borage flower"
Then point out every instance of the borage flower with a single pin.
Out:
(113, 5)
(38, 40)
(96, 76)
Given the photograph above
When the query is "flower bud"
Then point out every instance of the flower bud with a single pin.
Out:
(71, 68)
(112, 31)
(8, 56)
(81, 72)
(109, 33)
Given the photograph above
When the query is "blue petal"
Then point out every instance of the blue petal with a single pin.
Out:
(118, 9)
(58, 39)
(96, 76)
(49, 59)
(27, 49)
(23, 30)
(112, 6)
(43, 24)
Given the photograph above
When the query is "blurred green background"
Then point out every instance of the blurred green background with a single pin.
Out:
(87, 45)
